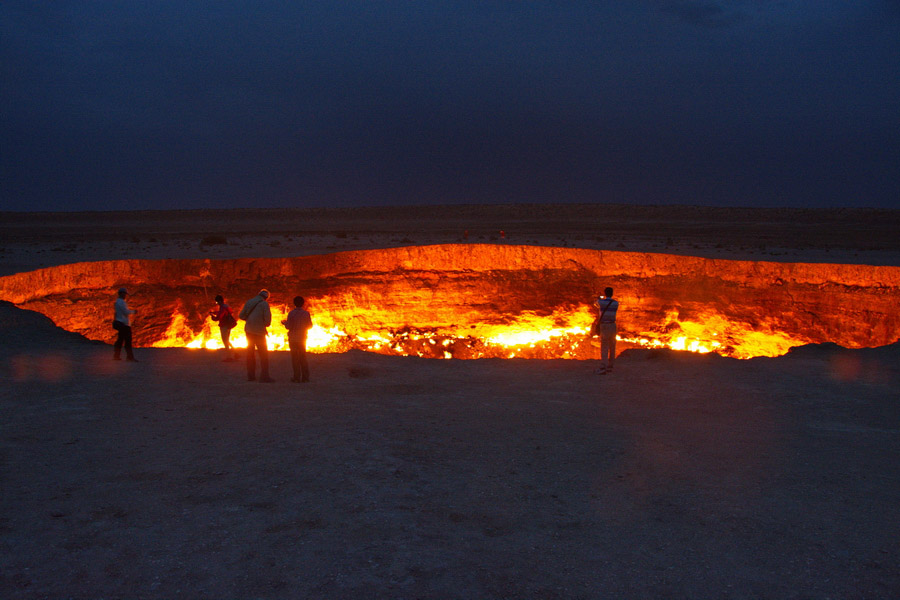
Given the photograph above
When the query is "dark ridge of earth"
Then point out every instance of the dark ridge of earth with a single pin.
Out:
(854, 236)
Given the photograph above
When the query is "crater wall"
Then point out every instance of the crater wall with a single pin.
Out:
(464, 285)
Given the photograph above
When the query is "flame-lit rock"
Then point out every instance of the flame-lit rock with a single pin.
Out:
(474, 300)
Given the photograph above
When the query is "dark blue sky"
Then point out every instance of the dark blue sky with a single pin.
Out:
(181, 104)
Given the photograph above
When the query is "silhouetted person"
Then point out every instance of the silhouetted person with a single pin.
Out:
(257, 317)
(122, 324)
(298, 324)
(605, 327)
(223, 315)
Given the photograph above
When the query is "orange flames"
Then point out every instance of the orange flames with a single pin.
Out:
(713, 333)
(486, 301)
(557, 335)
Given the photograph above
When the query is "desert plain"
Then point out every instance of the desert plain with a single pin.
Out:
(677, 476)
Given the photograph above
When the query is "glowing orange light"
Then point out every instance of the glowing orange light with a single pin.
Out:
(528, 334)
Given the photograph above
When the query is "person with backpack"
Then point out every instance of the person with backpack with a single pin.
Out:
(257, 317)
(605, 327)
(223, 315)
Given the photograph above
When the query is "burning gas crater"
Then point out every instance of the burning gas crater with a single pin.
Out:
(477, 301)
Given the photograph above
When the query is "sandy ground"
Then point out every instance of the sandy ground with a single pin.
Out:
(676, 476)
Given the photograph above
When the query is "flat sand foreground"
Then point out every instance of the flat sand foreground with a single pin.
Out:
(678, 475)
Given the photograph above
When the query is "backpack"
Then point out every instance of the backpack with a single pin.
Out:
(227, 321)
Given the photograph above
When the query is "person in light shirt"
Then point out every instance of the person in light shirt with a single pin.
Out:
(298, 324)
(605, 327)
(122, 325)
(257, 317)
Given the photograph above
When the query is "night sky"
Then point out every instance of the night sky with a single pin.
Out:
(181, 104)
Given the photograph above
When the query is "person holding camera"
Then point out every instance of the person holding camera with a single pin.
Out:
(605, 327)
(122, 325)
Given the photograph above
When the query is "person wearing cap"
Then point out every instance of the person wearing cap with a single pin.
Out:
(257, 317)
(605, 327)
(122, 325)
(225, 318)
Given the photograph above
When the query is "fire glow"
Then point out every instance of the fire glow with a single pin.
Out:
(533, 337)
(469, 301)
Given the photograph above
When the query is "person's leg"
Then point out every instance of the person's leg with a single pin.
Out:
(117, 347)
(251, 357)
(263, 358)
(226, 342)
(295, 359)
(304, 364)
(612, 345)
(129, 351)
(229, 349)
(607, 344)
(604, 351)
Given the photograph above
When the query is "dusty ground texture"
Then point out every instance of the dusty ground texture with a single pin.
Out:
(675, 476)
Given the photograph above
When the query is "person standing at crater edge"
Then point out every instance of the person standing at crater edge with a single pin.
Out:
(605, 327)
(223, 315)
(257, 317)
(122, 325)
(298, 324)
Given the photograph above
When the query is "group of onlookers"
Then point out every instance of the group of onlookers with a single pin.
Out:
(257, 317)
